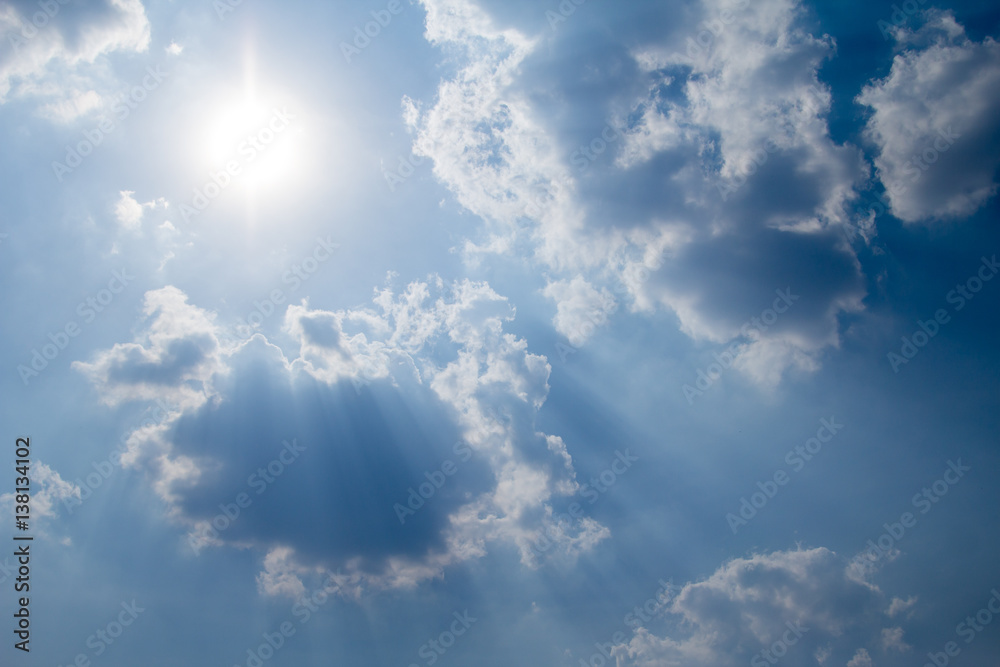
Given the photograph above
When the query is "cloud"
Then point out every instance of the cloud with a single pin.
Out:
(129, 212)
(280, 575)
(53, 54)
(935, 121)
(892, 638)
(579, 307)
(711, 176)
(482, 138)
(861, 659)
(899, 605)
(175, 359)
(412, 425)
(75, 103)
(802, 600)
(744, 120)
(47, 489)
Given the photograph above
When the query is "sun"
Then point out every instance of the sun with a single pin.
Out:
(252, 142)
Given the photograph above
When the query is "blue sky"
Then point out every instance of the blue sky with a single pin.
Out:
(475, 332)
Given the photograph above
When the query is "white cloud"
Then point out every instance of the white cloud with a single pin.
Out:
(803, 599)
(430, 342)
(55, 56)
(751, 122)
(861, 659)
(76, 103)
(47, 489)
(411, 112)
(935, 121)
(750, 137)
(281, 576)
(487, 145)
(174, 49)
(174, 360)
(768, 359)
(580, 308)
(490, 369)
(892, 638)
(898, 605)
(757, 90)
(129, 212)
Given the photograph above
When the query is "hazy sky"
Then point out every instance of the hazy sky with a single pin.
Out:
(482, 332)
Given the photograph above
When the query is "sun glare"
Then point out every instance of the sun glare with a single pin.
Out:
(252, 144)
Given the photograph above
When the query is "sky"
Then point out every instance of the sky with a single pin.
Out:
(481, 332)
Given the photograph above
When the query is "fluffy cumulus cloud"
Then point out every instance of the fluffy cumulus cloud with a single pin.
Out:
(580, 307)
(175, 359)
(800, 607)
(861, 659)
(745, 80)
(129, 212)
(408, 428)
(47, 489)
(935, 121)
(51, 50)
(484, 140)
(892, 638)
(736, 114)
(712, 179)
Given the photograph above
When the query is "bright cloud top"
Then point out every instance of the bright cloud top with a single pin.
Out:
(440, 349)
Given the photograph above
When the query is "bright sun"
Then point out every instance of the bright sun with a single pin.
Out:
(251, 144)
